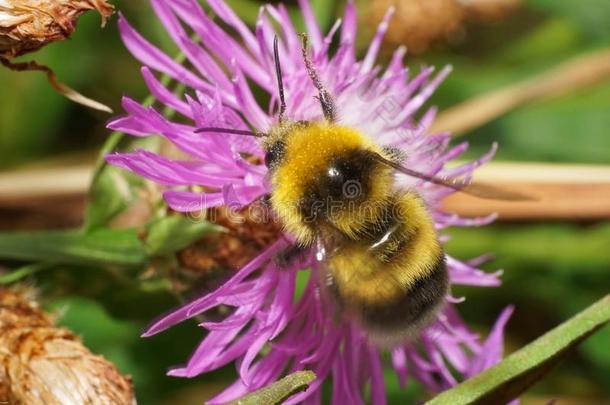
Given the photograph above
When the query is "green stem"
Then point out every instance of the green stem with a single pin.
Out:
(279, 391)
(522, 369)
(22, 272)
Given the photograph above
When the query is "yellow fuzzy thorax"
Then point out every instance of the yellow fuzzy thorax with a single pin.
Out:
(308, 150)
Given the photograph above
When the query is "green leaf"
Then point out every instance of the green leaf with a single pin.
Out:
(246, 9)
(103, 247)
(101, 332)
(22, 272)
(522, 369)
(325, 12)
(92, 322)
(113, 190)
(170, 234)
(279, 391)
(582, 249)
(591, 16)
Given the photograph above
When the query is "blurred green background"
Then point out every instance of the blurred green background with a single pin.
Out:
(552, 270)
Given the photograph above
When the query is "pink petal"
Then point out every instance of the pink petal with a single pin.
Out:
(156, 59)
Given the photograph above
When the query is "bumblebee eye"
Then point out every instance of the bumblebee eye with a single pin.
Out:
(340, 181)
(335, 179)
(274, 154)
(346, 178)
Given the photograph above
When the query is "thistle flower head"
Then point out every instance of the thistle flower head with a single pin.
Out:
(272, 329)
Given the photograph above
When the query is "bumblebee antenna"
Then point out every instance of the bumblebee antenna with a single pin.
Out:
(328, 105)
(231, 131)
(280, 83)
(480, 190)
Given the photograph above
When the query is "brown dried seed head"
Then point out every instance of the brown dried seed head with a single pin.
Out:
(44, 364)
(418, 23)
(27, 25)
(491, 10)
(247, 233)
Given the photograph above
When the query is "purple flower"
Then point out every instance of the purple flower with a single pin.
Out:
(270, 333)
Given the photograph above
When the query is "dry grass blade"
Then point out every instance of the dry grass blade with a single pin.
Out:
(22, 185)
(49, 198)
(575, 74)
(562, 192)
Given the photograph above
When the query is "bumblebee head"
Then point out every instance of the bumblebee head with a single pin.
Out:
(323, 174)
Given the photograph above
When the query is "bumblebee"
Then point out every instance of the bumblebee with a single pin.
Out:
(333, 188)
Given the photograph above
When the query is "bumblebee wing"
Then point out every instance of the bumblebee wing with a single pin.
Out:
(477, 189)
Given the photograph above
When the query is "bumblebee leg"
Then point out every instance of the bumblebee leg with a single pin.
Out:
(326, 100)
(395, 154)
(265, 200)
(287, 257)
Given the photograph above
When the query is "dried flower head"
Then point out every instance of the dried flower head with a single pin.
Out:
(43, 364)
(274, 327)
(243, 237)
(420, 23)
(27, 25)
(491, 10)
